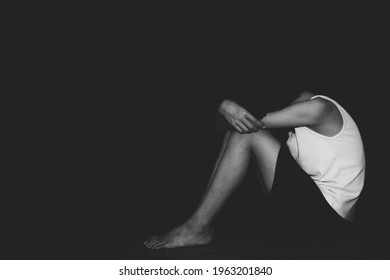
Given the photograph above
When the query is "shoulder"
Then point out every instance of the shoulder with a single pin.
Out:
(312, 101)
(317, 107)
(327, 115)
(323, 105)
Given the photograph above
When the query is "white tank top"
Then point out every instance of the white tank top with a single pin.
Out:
(335, 163)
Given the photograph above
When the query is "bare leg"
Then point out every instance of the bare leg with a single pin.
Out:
(228, 173)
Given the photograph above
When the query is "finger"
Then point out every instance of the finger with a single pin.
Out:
(262, 125)
(255, 121)
(244, 129)
(250, 126)
(238, 129)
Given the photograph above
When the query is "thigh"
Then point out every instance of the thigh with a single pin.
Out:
(265, 148)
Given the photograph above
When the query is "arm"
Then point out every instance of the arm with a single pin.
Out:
(308, 112)
(315, 113)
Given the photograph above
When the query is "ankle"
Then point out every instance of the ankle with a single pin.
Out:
(197, 225)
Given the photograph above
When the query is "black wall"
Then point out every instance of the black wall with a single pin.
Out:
(111, 100)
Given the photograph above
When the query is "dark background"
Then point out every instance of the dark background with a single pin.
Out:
(110, 131)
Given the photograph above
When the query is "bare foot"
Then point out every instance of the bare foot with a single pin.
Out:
(181, 236)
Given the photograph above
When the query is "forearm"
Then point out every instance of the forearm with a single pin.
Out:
(301, 113)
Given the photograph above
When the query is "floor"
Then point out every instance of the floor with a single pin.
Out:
(85, 227)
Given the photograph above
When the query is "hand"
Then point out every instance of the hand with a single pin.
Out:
(239, 118)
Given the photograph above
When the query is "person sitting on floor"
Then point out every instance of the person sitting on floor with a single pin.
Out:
(314, 180)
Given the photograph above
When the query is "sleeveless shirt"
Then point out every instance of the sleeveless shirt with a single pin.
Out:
(335, 163)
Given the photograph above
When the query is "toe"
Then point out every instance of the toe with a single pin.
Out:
(153, 244)
(146, 243)
(157, 244)
(158, 247)
(149, 241)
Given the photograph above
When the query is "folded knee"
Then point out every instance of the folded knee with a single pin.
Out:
(240, 138)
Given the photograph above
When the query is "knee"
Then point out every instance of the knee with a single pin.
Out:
(252, 141)
(240, 138)
(253, 136)
(264, 138)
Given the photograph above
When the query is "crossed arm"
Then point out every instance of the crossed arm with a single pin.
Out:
(302, 112)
